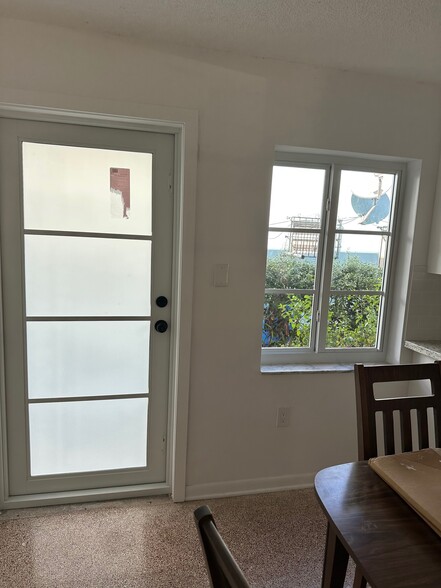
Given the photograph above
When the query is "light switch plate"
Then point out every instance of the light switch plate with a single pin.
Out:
(220, 275)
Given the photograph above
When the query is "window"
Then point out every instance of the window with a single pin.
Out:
(329, 260)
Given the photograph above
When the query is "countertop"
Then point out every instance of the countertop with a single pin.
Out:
(430, 348)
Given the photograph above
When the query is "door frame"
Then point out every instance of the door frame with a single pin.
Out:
(184, 131)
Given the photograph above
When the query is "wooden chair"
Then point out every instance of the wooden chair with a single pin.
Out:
(368, 406)
(222, 567)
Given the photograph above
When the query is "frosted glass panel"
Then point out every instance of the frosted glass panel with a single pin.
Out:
(80, 276)
(87, 358)
(88, 436)
(90, 190)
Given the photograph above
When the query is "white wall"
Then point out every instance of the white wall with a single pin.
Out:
(246, 107)
(424, 319)
(434, 257)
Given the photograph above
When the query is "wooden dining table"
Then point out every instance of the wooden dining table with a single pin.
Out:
(392, 546)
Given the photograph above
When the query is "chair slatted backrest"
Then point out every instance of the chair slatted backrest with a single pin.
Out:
(223, 569)
(368, 406)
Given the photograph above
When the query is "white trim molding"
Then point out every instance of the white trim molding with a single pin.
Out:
(252, 486)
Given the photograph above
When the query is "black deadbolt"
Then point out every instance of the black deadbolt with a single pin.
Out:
(161, 301)
(161, 326)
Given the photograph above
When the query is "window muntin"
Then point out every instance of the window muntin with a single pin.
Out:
(328, 270)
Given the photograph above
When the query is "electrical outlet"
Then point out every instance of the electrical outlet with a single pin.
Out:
(283, 416)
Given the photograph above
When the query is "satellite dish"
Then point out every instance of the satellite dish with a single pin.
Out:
(372, 209)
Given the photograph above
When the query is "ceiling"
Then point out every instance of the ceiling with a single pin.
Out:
(392, 37)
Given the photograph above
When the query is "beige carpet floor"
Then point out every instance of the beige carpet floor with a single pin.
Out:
(278, 540)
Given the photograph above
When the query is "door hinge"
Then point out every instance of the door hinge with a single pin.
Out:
(317, 316)
(170, 182)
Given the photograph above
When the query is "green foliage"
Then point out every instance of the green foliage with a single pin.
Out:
(286, 271)
(353, 274)
(286, 320)
(352, 321)
(352, 318)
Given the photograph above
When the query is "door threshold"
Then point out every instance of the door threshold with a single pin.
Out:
(92, 495)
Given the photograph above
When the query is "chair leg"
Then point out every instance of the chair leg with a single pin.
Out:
(336, 561)
(359, 580)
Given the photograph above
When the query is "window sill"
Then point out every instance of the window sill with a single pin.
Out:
(307, 368)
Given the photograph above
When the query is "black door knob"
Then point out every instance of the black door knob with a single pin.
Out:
(161, 326)
(161, 301)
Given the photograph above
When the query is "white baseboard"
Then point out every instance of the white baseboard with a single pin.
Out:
(252, 486)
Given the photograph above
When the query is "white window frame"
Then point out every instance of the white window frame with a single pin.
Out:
(333, 165)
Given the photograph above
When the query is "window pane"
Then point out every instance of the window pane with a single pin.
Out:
(88, 436)
(286, 271)
(90, 190)
(87, 358)
(365, 201)
(287, 320)
(80, 276)
(298, 245)
(353, 321)
(359, 262)
(296, 197)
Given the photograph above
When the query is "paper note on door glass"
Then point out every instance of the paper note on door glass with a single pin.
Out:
(84, 189)
(120, 192)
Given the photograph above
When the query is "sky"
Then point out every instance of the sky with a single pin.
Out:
(300, 191)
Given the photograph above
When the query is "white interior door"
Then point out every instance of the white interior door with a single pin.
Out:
(86, 251)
